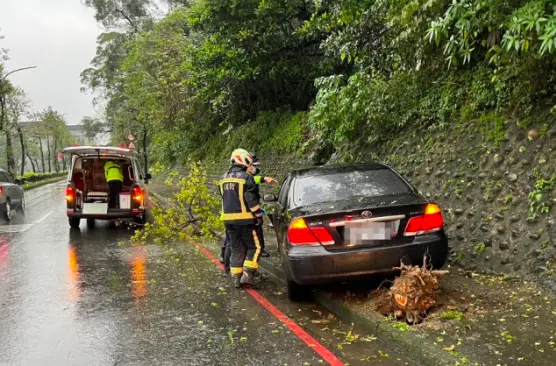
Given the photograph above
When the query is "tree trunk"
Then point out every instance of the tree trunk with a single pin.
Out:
(145, 148)
(49, 154)
(32, 163)
(56, 162)
(22, 142)
(42, 154)
(10, 152)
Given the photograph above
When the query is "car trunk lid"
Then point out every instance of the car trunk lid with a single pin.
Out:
(365, 221)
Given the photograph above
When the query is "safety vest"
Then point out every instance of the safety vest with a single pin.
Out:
(239, 199)
(113, 171)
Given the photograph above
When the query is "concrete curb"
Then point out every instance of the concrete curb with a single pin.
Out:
(410, 343)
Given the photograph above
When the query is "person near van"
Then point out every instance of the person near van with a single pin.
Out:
(114, 179)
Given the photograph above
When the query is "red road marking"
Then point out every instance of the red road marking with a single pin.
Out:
(322, 351)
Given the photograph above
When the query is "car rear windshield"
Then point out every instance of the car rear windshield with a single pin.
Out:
(347, 185)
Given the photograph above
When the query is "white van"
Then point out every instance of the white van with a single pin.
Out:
(87, 193)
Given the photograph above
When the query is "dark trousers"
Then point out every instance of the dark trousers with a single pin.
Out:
(226, 250)
(115, 189)
(245, 248)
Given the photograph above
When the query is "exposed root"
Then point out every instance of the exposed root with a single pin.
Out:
(413, 293)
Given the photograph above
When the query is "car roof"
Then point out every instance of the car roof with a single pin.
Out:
(100, 150)
(337, 168)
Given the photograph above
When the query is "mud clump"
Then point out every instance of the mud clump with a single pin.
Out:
(412, 294)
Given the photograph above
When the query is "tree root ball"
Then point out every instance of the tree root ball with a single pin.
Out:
(412, 294)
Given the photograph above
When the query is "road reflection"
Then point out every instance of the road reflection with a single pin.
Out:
(139, 285)
(73, 273)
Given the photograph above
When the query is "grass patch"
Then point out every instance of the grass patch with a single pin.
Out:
(451, 315)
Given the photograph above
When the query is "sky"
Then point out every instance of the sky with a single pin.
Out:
(57, 36)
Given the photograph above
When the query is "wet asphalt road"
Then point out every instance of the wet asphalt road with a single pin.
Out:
(81, 297)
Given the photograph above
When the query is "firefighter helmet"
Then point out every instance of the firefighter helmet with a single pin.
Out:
(241, 157)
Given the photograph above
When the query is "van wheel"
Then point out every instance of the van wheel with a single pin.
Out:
(90, 223)
(74, 222)
(141, 220)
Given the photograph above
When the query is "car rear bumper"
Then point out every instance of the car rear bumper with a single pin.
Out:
(315, 265)
(110, 215)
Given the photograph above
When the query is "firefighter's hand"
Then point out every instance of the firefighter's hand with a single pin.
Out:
(259, 219)
(270, 180)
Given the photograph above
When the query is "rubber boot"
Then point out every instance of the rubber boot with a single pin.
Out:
(248, 278)
(236, 280)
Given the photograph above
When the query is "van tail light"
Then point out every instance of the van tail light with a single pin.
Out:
(137, 194)
(300, 234)
(70, 194)
(430, 222)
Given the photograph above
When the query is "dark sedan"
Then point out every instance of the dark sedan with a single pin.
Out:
(345, 223)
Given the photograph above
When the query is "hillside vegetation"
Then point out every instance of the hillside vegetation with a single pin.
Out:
(458, 94)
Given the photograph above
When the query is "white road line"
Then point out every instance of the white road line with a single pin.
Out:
(44, 217)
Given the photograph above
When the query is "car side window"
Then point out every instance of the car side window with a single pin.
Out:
(282, 197)
(4, 177)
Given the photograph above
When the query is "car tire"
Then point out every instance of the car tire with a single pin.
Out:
(7, 211)
(74, 222)
(91, 223)
(21, 208)
(297, 292)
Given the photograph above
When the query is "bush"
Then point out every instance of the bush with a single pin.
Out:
(30, 177)
(194, 212)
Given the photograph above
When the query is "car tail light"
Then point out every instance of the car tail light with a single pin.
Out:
(1, 190)
(430, 222)
(70, 194)
(300, 234)
(137, 194)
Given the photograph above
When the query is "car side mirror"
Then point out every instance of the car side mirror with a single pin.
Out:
(270, 197)
(17, 181)
(148, 176)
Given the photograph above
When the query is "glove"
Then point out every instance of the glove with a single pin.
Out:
(259, 219)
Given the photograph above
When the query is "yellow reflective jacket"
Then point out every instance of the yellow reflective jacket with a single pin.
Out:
(113, 171)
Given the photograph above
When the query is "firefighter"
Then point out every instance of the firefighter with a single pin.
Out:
(225, 251)
(241, 213)
(114, 179)
(258, 180)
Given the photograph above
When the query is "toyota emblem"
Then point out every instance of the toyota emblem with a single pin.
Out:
(366, 214)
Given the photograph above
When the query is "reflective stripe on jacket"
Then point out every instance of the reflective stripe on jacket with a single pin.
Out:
(113, 171)
(240, 203)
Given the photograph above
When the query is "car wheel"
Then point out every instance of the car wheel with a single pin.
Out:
(74, 222)
(90, 223)
(21, 207)
(8, 211)
(296, 292)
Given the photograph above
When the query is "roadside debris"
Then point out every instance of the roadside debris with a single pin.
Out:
(412, 294)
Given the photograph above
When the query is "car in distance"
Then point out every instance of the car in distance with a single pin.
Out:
(12, 195)
(87, 192)
(344, 223)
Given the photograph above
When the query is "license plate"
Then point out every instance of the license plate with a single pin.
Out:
(125, 201)
(95, 208)
(367, 232)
